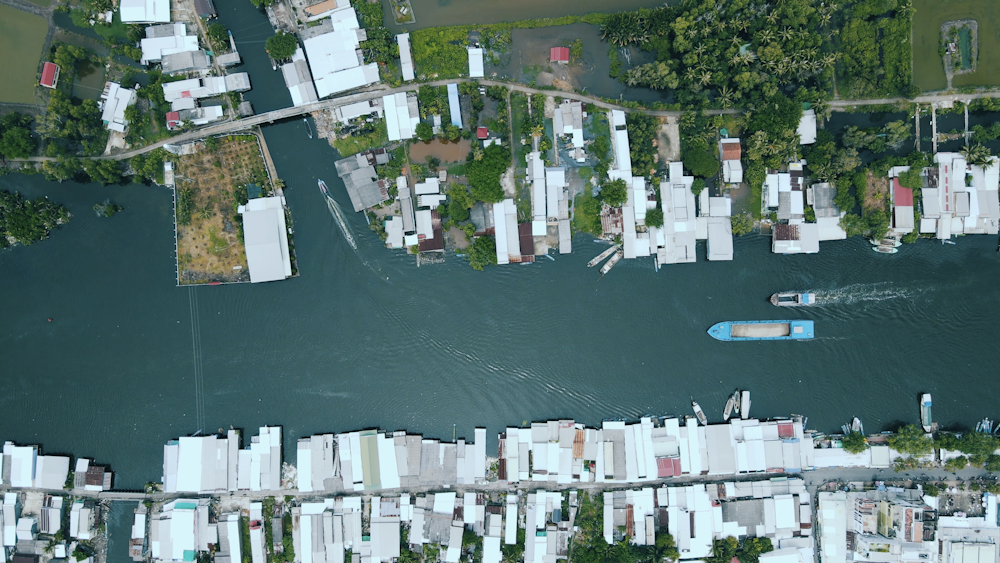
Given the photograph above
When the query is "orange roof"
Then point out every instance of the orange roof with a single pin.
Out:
(731, 151)
(317, 9)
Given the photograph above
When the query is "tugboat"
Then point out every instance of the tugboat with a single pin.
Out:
(762, 330)
(792, 299)
(699, 413)
(925, 412)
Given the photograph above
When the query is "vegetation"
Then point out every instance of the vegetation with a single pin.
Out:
(369, 136)
(587, 214)
(483, 168)
(931, 490)
(218, 36)
(910, 439)
(641, 132)
(654, 217)
(24, 221)
(749, 551)
(281, 46)
(424, 131)
(16, 140)
(483, 252)
(615, 193)
(854, 443)
(459, 202)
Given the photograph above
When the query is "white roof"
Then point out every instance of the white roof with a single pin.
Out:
(475, 63)
(405, 60)
(117, 100)
(332, 52)
(266, 240)
(720, 238)
(51, 472)
(22, 465)
(732, 171)
(807, 127)
(145, 11)
(500, 223)
(399, 123)
(798, 204)
(155, 48)
(394, 232)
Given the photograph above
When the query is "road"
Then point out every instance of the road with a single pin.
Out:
(380, 90)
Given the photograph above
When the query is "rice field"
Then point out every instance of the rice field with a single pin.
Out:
(21, 38)
(928, 67)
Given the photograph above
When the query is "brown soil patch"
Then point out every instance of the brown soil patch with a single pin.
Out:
(458, 238)
(210, 246)
(563, 85)
(877, 194)
(447, 152)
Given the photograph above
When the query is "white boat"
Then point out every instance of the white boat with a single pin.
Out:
(736, 401)
(745, 404)
(793, 299)
(856, 426)
(925, 412)
(885, 249)
(886, 242)
(309, 129)
(728, 411)
(699, 413)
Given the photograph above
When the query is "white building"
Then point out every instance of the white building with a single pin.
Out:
(720, 228)
(180, 530)
(200, 464)
(475, 62)
(115, 99)
(732, 167)
(507, 240)
(401, 115)
(184, 94)
(675, 242)
(266, 239)
(299, 80)
(314, 462)
(960, 198)
(19, 462)
(163, 40)
(81, 521)
(335, 58)
(807, 127)
(145, 11)
(405, 59)
(11, 513)
(359, 109)
(259, 466)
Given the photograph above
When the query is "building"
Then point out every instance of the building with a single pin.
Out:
(960, 198)
(323, 9)
(507, 235)
(405, 59)
(163, 40)
(201, 464)
(720, 229)
(197, 116)
(51, 472)
(11, 514)
(50, 75)
(732, 168)
(299, 80)
(82, 519)
(559, 55)
(259, 466)
(795, 238)
(820, 197)
(361, 180)
(266, 239)
(314, 463)
(454, 105)
(903, 218)
(360, 109)
(115, 99)
(145, 11)
(475, 62)
(807, 127)
(184, 94)
(401, 115)
(568, 121)
(180, 530)
(335, 58)
(187, 61)
(50, 515)
(18, 465)
(675, 241)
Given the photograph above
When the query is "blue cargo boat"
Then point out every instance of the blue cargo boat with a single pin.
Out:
(762, 330)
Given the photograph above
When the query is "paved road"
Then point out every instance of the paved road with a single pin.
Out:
(930, 99)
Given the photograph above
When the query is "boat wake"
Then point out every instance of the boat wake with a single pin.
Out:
(862, 292)
(338, 216)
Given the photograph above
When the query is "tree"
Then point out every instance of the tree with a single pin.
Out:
(615, 193)
(281, 46)
(484, 172)
(425, 131)
(218, 35)
(742, 224)
(452, 132)
(459, 202)
(701, 162)
(654, 217)
(854, 443)
(483, 252)
(910, 439)
(977, 155)
(17, 142)
(261, 3)
(697, 186)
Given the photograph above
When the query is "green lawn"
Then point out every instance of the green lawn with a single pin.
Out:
(928, 68)
(21, 38)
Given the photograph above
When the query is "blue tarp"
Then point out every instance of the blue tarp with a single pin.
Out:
(454, 106)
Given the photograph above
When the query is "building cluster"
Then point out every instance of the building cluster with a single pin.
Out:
(958, 198)
(418, 223)
(212, 464)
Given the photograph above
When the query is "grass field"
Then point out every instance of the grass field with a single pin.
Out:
(928, 68)
(42, 3)
(21, 38)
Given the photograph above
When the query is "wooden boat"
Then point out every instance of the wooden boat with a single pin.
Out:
(611, 263)
(600, 257)
(699, 413)
(885, 249)
(886, 242)
(793, 299)
(745, 404)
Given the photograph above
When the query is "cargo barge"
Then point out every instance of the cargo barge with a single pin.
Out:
(762, 330)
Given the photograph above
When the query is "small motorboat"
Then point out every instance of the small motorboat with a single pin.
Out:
(736, 401)
(699, 413)
(793, 299)
(744, 404)
(947, 241)
(881, 249)
(728, 411)
(856, 426)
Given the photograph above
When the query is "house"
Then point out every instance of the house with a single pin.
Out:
(475, 62)
(482, 133)
(201, 464)
(732, 168)
(401, 115)
(266, 239)
(180, 530)
(50, 515)
(115, 99)
(807, 127)
(145, 11)
(902, 204)
(51, 472)
(196, 116)
(559, 55)
(568, 120)
(675, 241)
(720, 229)
(960, 198)
(820, 197)
(335, 58)
(299, 80)
(205, 9)
(796, 237)
(50, 75)
(507, 236)
(90, 477)
(11, 514)
(539, 195)
(454, 106)
(359, 109)
(323, 9)
(405, 58)
(361, 180)
(162, 40)
(82, 519)
(186, 61)
(184, 94)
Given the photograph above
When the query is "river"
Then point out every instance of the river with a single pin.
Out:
(365, 338)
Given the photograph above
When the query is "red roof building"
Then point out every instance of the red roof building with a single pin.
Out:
(482, 133)
(901, 196)
(559, 55)
(50, 75)
(173, 119)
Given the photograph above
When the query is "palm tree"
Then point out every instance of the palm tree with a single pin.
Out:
(766, 36)
(705, 77)
(787, 34)
(736, 41)
(725, 97)
(824, 19)
(700, 50)
(772, 18)
(977, 155)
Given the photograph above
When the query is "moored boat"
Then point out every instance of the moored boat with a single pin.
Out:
(886, 242)
(762, 330)
(856, 426)
(925, 411)
(793, 299)
(744, 404)
(728, 411)
(611, 263)
(881, 249)
(699, 413)
(600, 257)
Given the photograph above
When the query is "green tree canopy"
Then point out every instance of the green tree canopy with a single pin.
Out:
(483, 252)
(218, 35)
(855, 442)
(424, 131)
(281, 46)
(654, 217)
(485, 171)
(615, 193)
(459, 202)
(910, 439)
